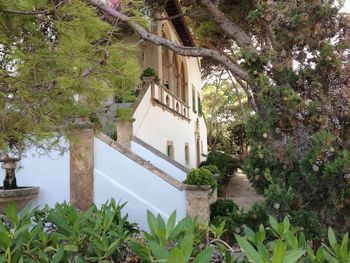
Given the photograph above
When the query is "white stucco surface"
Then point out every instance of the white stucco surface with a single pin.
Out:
(50, 173)
(118, 177)
(162, 164)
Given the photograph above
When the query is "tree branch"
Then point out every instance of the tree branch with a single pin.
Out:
(181, 50)
(230, 28)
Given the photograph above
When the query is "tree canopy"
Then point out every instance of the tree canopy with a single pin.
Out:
(58, 63)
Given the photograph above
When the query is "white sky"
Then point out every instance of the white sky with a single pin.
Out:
(347, 6)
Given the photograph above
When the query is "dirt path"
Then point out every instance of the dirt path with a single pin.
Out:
(241, 192)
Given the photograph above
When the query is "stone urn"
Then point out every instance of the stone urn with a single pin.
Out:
(197, 202)
(10, 192)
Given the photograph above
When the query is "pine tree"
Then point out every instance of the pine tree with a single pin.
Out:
(59, 61)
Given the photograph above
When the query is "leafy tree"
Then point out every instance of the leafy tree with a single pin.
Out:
(58, 63)
(225, 110)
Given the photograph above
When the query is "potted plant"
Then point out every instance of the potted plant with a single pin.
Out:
(150, 74)
(199, 185)
(52, 78)
(216, 174)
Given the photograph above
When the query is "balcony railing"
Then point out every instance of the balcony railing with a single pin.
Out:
(164, 98)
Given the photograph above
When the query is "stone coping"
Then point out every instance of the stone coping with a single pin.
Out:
(160, 154)
(20, 191)
(147, 165)
(190, 187)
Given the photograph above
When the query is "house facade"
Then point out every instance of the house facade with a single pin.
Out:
(168, 116)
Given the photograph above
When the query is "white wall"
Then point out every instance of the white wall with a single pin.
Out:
(118, 177)
(162, 164)
(50, 173)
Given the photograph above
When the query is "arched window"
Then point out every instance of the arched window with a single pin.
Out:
(165, 65)
(183, 83)
(174, 75)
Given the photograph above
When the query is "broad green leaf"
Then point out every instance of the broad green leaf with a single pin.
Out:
(204, 256)
(59, 255)
(158, 251)
(140, 251)
(187, 246)
(286, 224)
(152, 223)
(293, 255)
(176, 256)
(292, 241)
(170, 224)
(248, 250)
(273, 224)
(329, 258)
(5, 239)
(11, 213)
(344, 246)
(279, 252)
(331, 238)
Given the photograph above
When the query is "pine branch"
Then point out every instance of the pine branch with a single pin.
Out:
(23, 12)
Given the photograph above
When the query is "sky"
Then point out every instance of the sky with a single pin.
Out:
(347, 6)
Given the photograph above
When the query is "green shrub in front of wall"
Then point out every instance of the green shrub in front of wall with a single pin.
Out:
(201, 176)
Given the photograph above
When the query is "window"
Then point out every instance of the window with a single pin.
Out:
(200, 112)
(187, 153)
(170, 149)
(194, 99)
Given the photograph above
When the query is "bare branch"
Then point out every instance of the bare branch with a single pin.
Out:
(181, 50)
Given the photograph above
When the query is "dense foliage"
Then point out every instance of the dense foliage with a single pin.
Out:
(63, 234)
(59, 61)
(201, 176)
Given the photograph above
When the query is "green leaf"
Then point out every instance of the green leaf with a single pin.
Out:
(279, 252)
(59, 255)
(158, 251)
(204, 256)
(5, 239)
(248, 250)
(331, 238)
(170, 224)
(344, 246)
(176, 256)
(292, 241)
(187, 246)
(152, 223)
(11, 212)
(293, 255)
(273, 224)
(140, 251)
(286, 224)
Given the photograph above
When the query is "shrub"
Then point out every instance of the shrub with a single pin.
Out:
(201, 176)
(150, 72)
(64, 234)
(223, 207)
(171, 242)
(212, 168)
(224, 162)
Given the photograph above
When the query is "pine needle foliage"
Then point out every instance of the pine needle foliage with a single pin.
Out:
(59, 62)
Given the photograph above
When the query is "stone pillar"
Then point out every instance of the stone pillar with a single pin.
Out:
(124, 133)
(82, 168)
(197, 202)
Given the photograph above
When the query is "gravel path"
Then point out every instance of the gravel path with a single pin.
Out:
(241, 192)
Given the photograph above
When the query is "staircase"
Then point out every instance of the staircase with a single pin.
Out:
(125, 176)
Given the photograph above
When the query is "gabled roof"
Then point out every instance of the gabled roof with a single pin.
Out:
(173, 8)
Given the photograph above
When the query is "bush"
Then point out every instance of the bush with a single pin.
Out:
(212, 168)
(201, 176)
(223, 208)
(224, 162)
(150, 72)
(64, 234)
